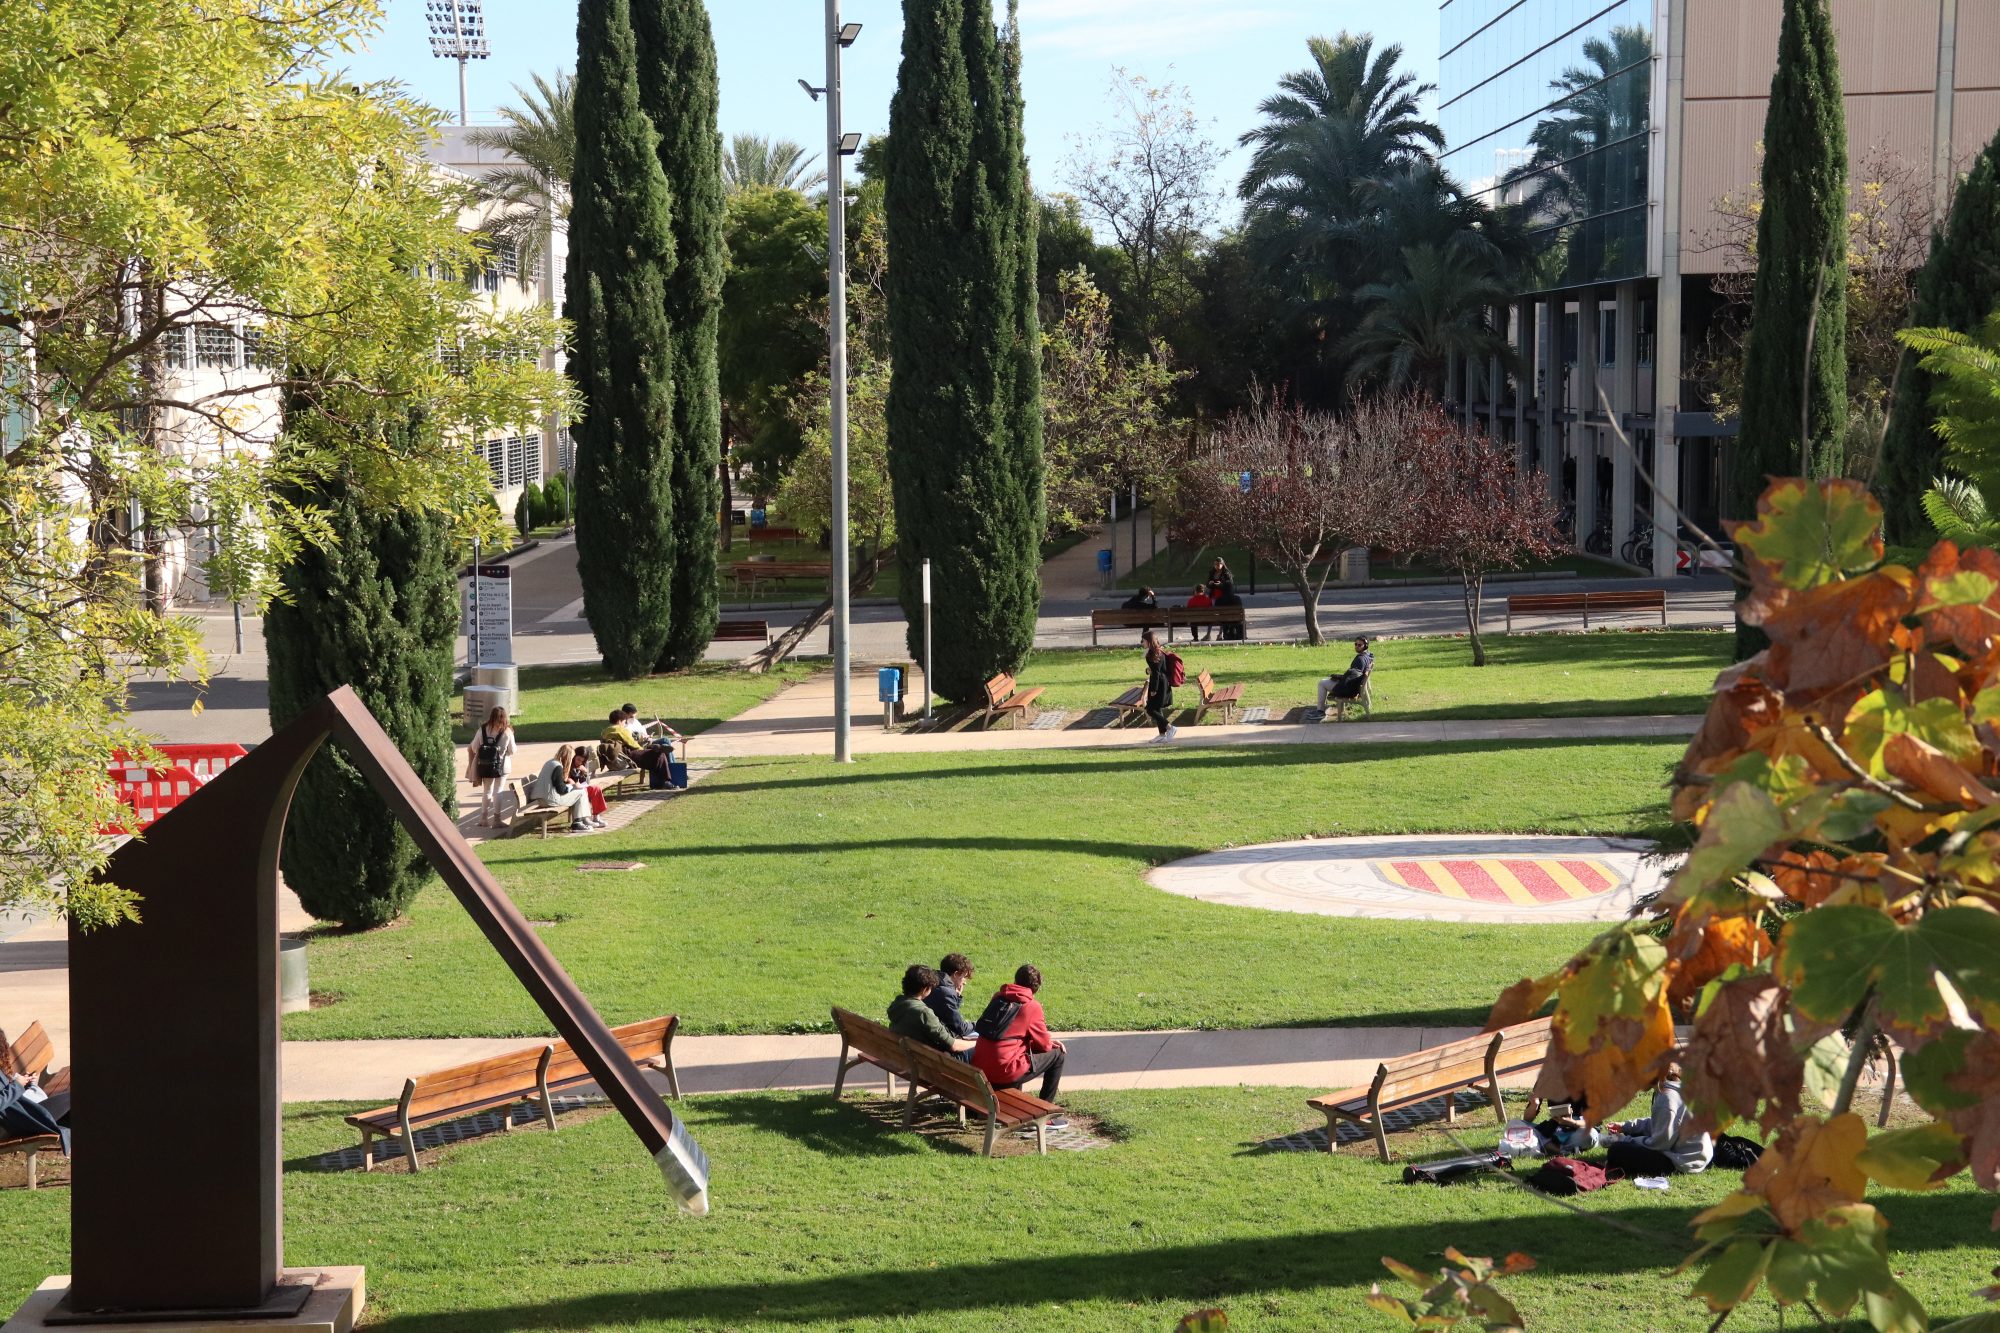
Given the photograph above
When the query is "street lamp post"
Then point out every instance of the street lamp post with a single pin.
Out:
(458, 32)
(838, 146)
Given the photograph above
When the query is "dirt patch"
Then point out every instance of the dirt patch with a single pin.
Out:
(51, 1169)
(937, 1122)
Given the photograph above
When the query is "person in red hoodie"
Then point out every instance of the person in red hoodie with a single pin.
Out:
(1014, 1043)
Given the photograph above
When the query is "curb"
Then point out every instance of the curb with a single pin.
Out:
(1289, 598)
(746, 607)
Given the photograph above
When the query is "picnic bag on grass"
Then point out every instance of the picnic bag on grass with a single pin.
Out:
(489, 754)
(1735, 1153)
(1455, 1168)
(1564, 1176)
(1176, 670)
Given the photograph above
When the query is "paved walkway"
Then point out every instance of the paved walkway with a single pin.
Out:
(800, 721)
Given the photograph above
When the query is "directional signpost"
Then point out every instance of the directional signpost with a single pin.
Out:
(487, 617)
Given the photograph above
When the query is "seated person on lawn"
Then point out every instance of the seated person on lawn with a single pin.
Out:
(1014, 1041)
(954, 975)
(1662, 1143)
(910, 1017)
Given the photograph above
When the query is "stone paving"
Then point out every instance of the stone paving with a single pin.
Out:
(1449, 877)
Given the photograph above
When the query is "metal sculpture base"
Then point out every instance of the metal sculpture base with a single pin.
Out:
(307, 1300)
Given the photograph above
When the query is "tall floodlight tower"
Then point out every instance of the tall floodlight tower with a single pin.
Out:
(458, 32)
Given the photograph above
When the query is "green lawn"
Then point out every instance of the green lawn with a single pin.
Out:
(1178, 568)
(776, 888)
(1610, 673)
(824, 1220)
(570, 703)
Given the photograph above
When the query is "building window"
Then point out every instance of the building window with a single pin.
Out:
(215, 347)
(510, 261)
(483, 277)
(452, 358)
(531, 457)
(258, 350)
(565, 452)
(494, 453)
(175, 343)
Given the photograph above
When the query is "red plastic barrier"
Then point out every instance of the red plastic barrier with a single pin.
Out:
(151, 792)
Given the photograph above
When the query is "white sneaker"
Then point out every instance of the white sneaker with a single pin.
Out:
(1170, 733)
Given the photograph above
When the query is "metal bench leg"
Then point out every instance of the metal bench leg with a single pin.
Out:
(992, 1130)
(33, 1180)
(409, 1144)
(1042, 1137)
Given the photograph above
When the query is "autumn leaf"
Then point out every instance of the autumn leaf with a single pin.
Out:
(1933, 772)
(1827, 642)
(1959, 598)
(1957, 1079)
(1881, 715)
(1203, 1321)
(1612, 1023)
(1521, 1001)
(1740, 1061)
(1832, 955)
(1743, 824)
(1701, 951)
(1810, 1169)
(1812, 532)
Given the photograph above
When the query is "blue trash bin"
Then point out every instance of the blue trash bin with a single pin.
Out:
(889, 684)
(1104, 562)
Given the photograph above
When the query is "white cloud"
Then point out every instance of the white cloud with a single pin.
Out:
(1122, 29)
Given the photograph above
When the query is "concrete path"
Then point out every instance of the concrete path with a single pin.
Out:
(800, 721)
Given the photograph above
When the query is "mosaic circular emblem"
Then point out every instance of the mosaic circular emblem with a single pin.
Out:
(1441, 878)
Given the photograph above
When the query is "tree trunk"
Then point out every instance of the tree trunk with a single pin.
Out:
(728, 505)
(1474, 585)
(1309, 599)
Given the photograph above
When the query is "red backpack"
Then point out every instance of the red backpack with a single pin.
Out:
(1176, 669)
(1563, 1176)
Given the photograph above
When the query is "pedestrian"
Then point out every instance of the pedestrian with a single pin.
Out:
(1220, 580)
(1014, 1043)
(489, 758)
(1163, 672)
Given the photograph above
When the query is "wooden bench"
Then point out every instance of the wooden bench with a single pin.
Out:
(1603, 603)
(1442, 1071)
(530, 1074)
(1228, 698)
(1364, 700)
(773, 535)
(1003, 698)
(743, 631)
(927, 1069)
(1131, 705)
(751, 574)
(27, 1058)
(1168, 618)
(619, 782)
(528, 814)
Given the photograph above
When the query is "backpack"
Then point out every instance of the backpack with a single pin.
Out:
(1443, 1173)
(489, 754)
(1735, 1153)
(1176, 670)
(1564, 1176)
(999, 1016)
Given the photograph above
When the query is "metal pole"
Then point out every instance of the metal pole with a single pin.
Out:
(836, 272)
(461, 90)
(472, 652)
(1135, 525)
(927, 638)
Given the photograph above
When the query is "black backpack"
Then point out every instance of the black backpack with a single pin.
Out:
(999, 1016)
(489, 754)
(1735, 1153)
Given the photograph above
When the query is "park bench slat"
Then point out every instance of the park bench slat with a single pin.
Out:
(1003, 698)
(1226, 698)
(529, 1074)
(1440, 1071)
(1168, 618)
(743, 631)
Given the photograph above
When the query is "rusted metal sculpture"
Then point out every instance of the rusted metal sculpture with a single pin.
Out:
(174, 1030)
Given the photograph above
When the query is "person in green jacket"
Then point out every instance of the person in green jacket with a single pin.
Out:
(910, 1017)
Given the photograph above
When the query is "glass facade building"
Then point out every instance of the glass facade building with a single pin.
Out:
(1547, 104)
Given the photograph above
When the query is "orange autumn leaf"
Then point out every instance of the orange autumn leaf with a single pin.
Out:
(1709, 950)
(1811, 1169)
(1826, 642)
(1933, 772)
(1521, 1001)
(1973, 627)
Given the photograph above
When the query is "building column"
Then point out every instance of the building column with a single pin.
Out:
(1942, 98)
(1549, 456)
(1495, 376)
(1586, 394)
(1524, 346)
(1624, 401)
(1667, 340)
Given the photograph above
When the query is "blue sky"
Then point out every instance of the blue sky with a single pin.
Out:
(1228, 53)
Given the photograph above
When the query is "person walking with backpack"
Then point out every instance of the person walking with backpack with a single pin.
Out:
(1164, 670)
(488, 761)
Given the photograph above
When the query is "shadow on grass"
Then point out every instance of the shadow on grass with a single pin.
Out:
(1588, 1243)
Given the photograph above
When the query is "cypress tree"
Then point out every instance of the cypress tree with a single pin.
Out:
(677, 91)
(621, 258)
(1801, 252)
(964, 411)
(375, 610)
(1958, 287)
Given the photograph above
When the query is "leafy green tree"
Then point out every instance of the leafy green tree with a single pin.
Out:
(531, 193)
(376, 609)
(165, 166)
(1957, 289)
(755, 162)
(1964, 370)
(1795, 366)
(770, 337)
(677, 90)
(621, 258)
(528, 509)
(1438, 307)
(964, 410)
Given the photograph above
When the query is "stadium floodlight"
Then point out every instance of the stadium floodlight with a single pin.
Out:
(458, 32)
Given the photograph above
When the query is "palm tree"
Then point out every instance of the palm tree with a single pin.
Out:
(1437, 308)
(1566, 177)
(780, 164)
(531, 191)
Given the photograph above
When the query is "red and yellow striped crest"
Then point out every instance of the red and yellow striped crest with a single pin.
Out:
(1526, 880)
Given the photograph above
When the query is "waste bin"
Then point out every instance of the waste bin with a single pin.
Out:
(1104, 566)
(504, 677)
(1354, 565)
(481, 700)
(294, 991)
